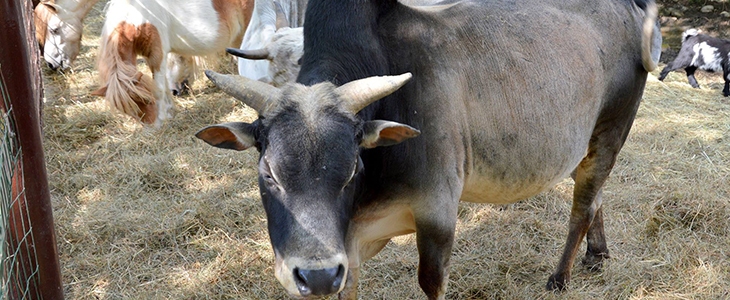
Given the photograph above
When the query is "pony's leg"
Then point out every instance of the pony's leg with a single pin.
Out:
(154, 48)
(162, 94)
(164, 102)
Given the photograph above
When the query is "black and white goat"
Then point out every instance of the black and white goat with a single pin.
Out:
(702, 52)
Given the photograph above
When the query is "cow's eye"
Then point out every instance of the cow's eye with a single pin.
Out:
(355, 168)
(55, 30)
(268, 174)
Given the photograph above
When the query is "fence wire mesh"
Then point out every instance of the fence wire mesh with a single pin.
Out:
(19, 263)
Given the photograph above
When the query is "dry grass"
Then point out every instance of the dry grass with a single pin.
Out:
(144, 214)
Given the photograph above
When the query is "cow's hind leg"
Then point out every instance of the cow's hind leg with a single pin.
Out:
(586, 214)
(590, 176)
(597, 249)
(587, 187)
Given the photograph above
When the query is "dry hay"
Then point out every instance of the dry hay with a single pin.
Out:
(157, 214)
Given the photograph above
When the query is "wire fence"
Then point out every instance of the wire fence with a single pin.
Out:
(19, 268)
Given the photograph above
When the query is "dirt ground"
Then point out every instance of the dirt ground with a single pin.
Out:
(158, 214)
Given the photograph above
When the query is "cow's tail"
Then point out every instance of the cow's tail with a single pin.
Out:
(650, 36)
(124, 87)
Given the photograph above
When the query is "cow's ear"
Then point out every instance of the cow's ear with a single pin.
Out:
(236, 135)
(379, 133)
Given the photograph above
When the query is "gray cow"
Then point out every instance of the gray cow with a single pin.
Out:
(491, 101)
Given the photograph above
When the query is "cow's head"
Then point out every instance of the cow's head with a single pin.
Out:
(62, 39)
(309, 139)
(283, 52)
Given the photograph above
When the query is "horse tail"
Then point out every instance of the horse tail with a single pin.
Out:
(124, 87)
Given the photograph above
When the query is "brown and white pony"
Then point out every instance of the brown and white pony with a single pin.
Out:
(58, 29)
(152, 29)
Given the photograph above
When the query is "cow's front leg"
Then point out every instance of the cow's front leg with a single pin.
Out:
(350, 290)
(726, 89)
(435, 237)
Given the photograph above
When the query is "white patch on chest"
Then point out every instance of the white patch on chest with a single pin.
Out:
(372, 229)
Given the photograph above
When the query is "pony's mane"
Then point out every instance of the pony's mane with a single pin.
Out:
(125, 85)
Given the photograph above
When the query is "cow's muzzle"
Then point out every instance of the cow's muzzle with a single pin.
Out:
(320, 282)
(312, 277)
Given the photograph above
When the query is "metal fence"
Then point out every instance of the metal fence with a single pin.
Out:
(19, 267)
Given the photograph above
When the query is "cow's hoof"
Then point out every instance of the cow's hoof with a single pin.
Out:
(594, 261)
(557, 283)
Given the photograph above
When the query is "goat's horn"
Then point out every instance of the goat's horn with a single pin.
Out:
(256, 94)
(249, 54)
(361, 93)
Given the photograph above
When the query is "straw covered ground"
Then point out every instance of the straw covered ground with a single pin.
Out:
(158, 214)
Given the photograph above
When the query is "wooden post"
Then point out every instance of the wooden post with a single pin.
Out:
(19, 63)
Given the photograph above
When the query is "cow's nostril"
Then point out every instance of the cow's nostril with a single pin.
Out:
(339, 277)
(175, 92)
(301, 281)
(320, 282)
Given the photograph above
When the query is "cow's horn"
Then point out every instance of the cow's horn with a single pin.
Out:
(249, 54)
(256, 94)
(361, 93)
(281, 20)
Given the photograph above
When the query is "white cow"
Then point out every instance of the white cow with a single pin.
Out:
(262, 31)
